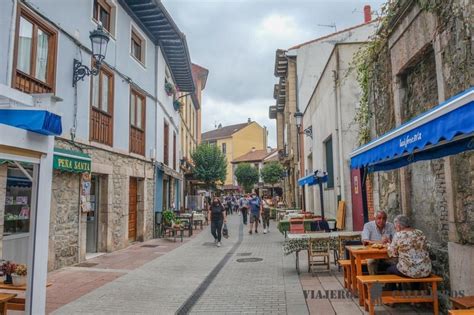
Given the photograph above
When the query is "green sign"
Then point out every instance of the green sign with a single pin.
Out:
(71, 161)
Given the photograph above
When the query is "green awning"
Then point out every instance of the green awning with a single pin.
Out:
(71, 161)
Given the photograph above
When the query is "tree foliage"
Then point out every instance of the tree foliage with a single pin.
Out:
(210, 164)
(246, 175)
(272, 173)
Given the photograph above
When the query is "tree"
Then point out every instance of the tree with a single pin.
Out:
(247, 176)
(210, 164)
(272, 173)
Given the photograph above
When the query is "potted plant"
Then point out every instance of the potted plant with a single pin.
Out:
(169, 88)
(177, 105)
(168, 217)
(331, 223)
(19, 276)
(8, 268)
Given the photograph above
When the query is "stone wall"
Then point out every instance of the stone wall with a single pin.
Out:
(427, 67)
(64, 226)
(67, 230)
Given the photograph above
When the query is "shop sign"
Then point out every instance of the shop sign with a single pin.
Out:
(71, 161)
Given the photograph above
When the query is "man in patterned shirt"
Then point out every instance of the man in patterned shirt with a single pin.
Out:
(377, 231)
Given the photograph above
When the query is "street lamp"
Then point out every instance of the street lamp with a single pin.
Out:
(99, 40)
(299, 118)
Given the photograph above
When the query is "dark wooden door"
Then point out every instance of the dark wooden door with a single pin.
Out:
(357, 200)
(132, 210)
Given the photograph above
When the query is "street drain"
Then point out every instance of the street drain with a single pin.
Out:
(86, 264)
(242, 260)
(150, 246)
(243, 254)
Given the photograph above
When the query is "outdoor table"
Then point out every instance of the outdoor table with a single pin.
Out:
(357, 254)
(298, 242)
(4, 298)
(465, 302)
(198, 218)
(17, 304)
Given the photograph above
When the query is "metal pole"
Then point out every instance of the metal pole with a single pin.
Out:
(321, 196)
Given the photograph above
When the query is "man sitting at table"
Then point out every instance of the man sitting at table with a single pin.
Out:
(377, 231)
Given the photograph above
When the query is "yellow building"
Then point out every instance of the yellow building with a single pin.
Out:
(235, 141)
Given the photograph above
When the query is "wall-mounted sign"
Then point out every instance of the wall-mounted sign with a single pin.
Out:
(71, 161)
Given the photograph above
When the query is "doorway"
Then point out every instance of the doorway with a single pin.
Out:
(132, 210)
(93, 216)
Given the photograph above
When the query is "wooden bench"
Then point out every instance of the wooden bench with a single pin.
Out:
(346, 269)
(461, 312)
(462, 303)
(372, 294)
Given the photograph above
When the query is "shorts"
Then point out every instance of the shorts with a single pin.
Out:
(254, 217)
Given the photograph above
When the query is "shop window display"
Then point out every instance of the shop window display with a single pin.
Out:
(17, 203)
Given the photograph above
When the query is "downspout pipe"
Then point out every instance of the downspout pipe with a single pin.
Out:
(156, 145)
(337, 100)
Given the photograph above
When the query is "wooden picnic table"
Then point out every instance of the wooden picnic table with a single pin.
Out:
(14, 303)
(465, 302)
(4, 298)
(298, 242)
(357, 255)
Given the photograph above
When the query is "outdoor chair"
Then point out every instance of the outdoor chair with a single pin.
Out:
(319, 253)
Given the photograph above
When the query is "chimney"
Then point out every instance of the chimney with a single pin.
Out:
(249, 120)
(253, 149)
(367, 14)
(219, 127)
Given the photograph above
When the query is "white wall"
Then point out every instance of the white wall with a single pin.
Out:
(312, 57)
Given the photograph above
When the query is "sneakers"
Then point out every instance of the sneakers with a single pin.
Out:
(215, 241)
(250, 232)
(256, 231)
(264, 231)
(218, 244)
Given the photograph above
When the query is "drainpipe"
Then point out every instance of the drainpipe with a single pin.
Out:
(339, 127)
(11, 41)
(156, 143)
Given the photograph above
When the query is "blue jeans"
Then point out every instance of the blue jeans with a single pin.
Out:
(216, 229)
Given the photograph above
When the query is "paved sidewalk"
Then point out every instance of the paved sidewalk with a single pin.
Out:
(166, 283)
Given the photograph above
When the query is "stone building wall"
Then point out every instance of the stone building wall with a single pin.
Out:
(68, 224)
(431, 66)
(64, 223)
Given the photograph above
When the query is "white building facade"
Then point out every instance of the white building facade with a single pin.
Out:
(116, 163)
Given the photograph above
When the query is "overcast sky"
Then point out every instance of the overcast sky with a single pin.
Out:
(236, 40)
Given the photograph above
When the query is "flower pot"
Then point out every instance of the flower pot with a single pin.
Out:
(8, 279)
(332, 225)
(18, 281)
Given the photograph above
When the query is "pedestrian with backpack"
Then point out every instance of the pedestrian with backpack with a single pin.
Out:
(255, 206)
(217, 216)
(244, 207)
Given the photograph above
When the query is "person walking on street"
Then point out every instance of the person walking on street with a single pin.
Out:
(266, 203)
(255, 212)
(244, 207)
(217, 216)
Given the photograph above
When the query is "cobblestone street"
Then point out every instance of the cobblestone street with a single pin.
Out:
(247, 275)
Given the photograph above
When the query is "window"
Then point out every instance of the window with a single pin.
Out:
(102, 106)
(329, 162)
(224, 148)
(103, 14)
(174, 150)
(166, 139)
(137, 46)
(137, 122)
(35, 54)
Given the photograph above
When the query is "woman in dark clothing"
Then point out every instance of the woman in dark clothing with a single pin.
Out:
(217, 216)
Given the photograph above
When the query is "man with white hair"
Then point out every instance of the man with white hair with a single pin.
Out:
(377, 231)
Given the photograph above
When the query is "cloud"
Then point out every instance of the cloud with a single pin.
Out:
(237, 39)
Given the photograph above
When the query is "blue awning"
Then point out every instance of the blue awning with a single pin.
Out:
(311, 180)
(39, 121)
(444, 130)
